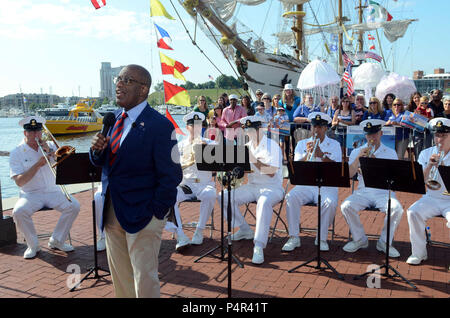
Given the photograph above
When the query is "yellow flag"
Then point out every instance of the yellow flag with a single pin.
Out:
(158, 10)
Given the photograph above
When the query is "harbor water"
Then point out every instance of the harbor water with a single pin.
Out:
(12, 134)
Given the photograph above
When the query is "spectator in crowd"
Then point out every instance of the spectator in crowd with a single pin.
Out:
(375, 110)
(246, 103)
(394, 118)
(259, 93)
(447, 107)
(333, 107)
(414, 102)
(231, 116)
(345, 115)
(387, 101)
(290, 101)
(202, 107)
(272, 111)
(436, 104)
(360, 108)
(423, 109)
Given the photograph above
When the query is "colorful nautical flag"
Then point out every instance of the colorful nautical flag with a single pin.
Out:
(371, 55)
(163, 38)
(176, 95)
(346, 59)
(371, 37)
(171, 67)
(372, 47)
(98, 3)
(377, 13)
(158, 10)
(347, 77)
(175, 125)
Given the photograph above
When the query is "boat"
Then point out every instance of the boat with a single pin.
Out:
(60, 109)
(106, 108)
(269, 66)
(82, 118)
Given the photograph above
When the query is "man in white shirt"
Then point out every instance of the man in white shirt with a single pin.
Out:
(370, 197)
(195, 183)
(327, 150)
(265, 186)
(32, 174)
(434, 202)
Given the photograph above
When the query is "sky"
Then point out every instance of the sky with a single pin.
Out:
(57, 46)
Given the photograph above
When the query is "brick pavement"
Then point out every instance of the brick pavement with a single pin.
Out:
(47, 275)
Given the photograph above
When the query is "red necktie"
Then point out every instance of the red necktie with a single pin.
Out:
(116, 135)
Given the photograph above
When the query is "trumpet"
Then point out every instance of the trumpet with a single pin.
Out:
(372, 149)
(432, 183)
(62, 153)
(311, 155)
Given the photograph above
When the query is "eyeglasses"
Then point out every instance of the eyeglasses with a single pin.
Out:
(397, 104)
(126, 80)
(276, 98)
(372, 103)
(266, 98)
(346, 101)
(203, 100)
(423, 103)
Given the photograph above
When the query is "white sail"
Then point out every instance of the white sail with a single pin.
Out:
(225, 8)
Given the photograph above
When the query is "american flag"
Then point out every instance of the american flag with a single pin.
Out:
(211, 78)
(346, 59)
(371, 55)
(347, 77)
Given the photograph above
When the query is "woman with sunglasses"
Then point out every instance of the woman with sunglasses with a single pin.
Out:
(375, 111)
(289, 101)
(345, 114)
(202, 107)
(394, 118)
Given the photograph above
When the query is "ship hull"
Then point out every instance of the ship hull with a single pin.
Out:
(71, 127)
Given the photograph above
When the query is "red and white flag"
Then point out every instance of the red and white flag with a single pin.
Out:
(371, 37)
(98, 3)
(347, 77)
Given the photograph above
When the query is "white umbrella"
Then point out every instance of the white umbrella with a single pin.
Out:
(317, 74)
(319, 79)
(367, 75)
(401, 86)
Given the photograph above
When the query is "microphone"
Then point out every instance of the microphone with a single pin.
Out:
(108, 122)
(238, 172)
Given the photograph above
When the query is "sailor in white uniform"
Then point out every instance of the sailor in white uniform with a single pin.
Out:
(327, 150)
(30, 171)
(265, 186)
(370, 197)
(434, 202)
(195, 183)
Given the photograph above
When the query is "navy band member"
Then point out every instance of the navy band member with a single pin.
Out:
(30, 171)
(265, 186)
(434, 202)
(370, 197)
(195, 183)
(327, 150)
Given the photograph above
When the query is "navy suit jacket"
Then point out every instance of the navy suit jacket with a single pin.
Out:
(143, 179)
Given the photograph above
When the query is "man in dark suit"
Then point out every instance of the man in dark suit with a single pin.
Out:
(139, 182)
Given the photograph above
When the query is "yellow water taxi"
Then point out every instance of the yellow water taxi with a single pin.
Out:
(82, 118)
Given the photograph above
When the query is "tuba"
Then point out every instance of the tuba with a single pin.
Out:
(432, 183)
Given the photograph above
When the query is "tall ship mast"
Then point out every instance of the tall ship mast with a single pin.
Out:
(270, 66)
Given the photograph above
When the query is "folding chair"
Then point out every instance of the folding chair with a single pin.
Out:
(194, 224)
(431, 242)
(369, 208)
(47, 235)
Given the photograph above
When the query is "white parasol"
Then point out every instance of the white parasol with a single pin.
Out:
(367, 75)
(401, 86)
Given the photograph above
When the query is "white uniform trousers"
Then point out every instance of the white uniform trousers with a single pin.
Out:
(418, 214)
(360, 200)
(30, 203)
(265, 196)
(99, 200)
(206, 193)
(301, 195)
(133, 258)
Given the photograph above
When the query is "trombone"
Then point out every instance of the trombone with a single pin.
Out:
(61, 153)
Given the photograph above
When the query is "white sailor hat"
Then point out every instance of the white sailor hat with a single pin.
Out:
(232, 96)
(258, 91)
(372, 126)
(281, 108)
(288, 86)
(439, 124)
(32, 123)
(192, 116)
(319, 119)
(251, 122)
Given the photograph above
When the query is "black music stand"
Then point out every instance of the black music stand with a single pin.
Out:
(77, 168)
(330, 174)
(444, 171)
(227, 159)
(392, 175)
